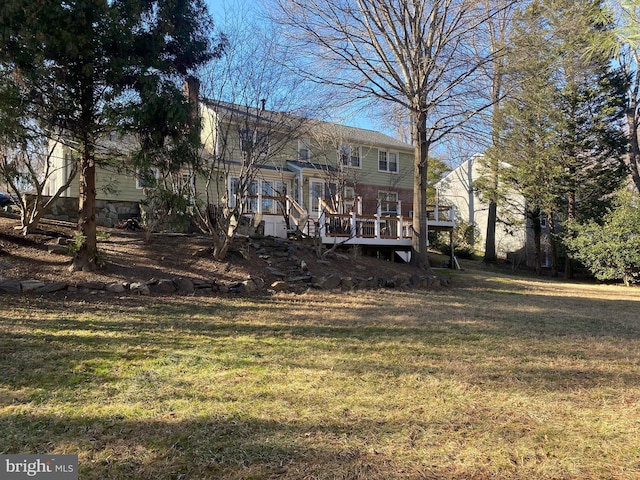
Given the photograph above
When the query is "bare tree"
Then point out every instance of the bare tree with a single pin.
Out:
(253, 109)
(26, 167)
(415, 54)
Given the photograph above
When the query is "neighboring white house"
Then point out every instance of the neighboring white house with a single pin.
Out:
(513, 238)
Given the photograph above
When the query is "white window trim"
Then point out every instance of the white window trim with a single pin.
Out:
(351, 149)
(304, 144)
(387, 193)
(139, 186)
(397, 154)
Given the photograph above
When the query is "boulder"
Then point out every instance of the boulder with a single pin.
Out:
(279, 286)
(140, 288)
(248, 286)
(92, 285)
(275, 272)
(57, 249)
(114, 287)
(329, 282)
(164, 287)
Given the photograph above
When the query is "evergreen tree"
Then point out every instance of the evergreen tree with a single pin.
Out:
(561, 131)
(611, 249)
(86, 65)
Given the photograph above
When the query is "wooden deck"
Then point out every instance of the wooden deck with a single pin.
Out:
(379, 230)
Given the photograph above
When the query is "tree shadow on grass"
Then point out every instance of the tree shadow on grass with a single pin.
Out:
(238, 447)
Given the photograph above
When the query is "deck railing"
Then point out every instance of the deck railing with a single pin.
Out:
(380, 226)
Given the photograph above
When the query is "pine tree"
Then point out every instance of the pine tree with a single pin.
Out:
(86, 65)
(561, 131)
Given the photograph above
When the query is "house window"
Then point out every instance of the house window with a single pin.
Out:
(388, 202)
(349, 199)
(254, 144)
(388, 161)
(543, 220)
(236, 194)
(349, 156)
(146, 178)
(272, 194)
(304, 150)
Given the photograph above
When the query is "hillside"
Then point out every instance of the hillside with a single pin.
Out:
(131, 258)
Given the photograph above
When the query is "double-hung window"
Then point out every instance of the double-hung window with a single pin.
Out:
(388, 161)
(146, 178)
(304, 150)
(349, 156)
(254, 144)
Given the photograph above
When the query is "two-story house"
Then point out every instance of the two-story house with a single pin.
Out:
(514, 235)
(319, 178)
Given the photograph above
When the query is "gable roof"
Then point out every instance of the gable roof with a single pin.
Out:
(311, 127)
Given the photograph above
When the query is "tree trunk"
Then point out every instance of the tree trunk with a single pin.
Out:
(85, 257)
(534, 216)
(632, 125)
(419, 255)
(571, 215)
(490, 255)
(554, 244)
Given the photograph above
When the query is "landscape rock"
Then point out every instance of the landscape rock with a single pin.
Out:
(57, 249)
(51, 287)
(164, 286)
(114, 287)
(140, 288)
(347, 282)
(31, 285)
(10, 286)
(184, 285)
(276, 272)
(92, 285)
(280, 286)
(329, 282)
(248, 286)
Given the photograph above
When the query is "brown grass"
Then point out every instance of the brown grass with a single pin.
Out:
(497, 377)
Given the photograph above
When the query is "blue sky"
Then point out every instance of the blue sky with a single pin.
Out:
(219, 10)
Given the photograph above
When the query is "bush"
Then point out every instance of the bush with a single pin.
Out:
(611, 250)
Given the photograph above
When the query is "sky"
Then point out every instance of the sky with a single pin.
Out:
(221, 9)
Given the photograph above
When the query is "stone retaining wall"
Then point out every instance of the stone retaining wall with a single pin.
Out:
(108, 212)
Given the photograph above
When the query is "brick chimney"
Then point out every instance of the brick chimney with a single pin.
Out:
(191, 90)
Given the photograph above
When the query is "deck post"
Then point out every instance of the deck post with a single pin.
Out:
(322, 225)
(353, 225)
(399, 215)
(453, 251)
(377, 224)
(435, 212)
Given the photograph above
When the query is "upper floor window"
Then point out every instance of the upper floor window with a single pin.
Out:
(388, 161)
(304, 150)
(349, 156)
(253, 143)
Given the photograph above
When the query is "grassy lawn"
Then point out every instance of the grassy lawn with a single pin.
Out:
(497, 377)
